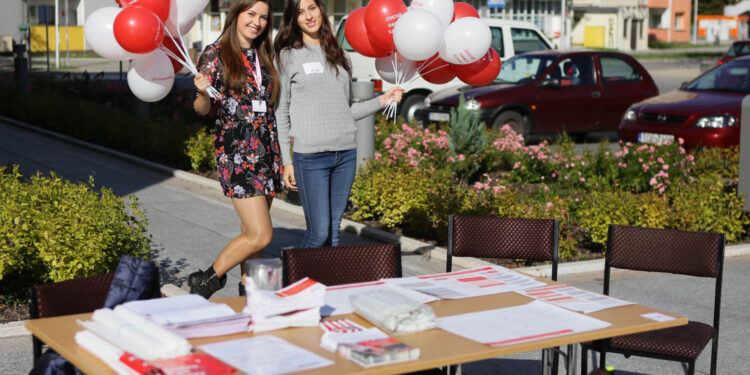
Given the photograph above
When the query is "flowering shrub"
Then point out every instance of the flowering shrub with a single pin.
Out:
(415, 183)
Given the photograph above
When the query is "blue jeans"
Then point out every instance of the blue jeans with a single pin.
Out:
(324, 180)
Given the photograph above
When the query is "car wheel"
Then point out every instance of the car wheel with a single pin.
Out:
(411, 104)
(518, 122)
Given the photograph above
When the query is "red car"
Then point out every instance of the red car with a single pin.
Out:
(738, 49)
(704, 112)
(550, 91)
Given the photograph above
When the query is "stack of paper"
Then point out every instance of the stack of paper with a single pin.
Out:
(192, 316)
(297, 305)
(135, 334)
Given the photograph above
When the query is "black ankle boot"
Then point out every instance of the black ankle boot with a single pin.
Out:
(242, 289)
(206, 283)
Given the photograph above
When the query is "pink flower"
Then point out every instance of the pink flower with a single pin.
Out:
(680, 140)
(665, 167)
(461, 157)
(653, 181)
(660, 160)
(549, 204)
(546, 188)
(516, 165)
(582, 179)
(378, 156)
(566, 178)
(478, 185)
(451, 159)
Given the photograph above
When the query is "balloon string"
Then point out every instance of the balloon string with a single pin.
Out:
(428, 72)
(426, 63)
(187, 62)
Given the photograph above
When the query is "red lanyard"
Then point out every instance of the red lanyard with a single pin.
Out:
(257, 76)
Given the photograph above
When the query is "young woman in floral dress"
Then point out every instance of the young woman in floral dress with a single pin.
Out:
(240, 66)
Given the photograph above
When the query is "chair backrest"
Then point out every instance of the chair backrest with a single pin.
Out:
(503, 238)
(665, 250)
(342, 264)
(70, 297)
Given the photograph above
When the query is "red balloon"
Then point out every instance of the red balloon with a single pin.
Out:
(171, 44)
(125, 3)
(480, 72)
(159, 7)
(138, 30)
(461, 10)
(380, 18)
(437, 71)
(357, 36)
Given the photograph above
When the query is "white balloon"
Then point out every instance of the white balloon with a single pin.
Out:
(151, 76)
(465, 40)
(443, 9)
(407, 69)
(417, 34)
(186, 27)
(180, 13)
(99, 34)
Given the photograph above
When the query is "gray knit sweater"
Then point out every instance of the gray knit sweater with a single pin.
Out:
(315, 105)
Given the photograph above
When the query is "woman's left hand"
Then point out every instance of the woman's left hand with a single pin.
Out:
(394, 93)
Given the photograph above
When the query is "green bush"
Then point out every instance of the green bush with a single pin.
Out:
(53, 230)
(467, 137)
(416, 182)
(200, 149)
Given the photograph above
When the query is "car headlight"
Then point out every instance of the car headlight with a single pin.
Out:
(472, 105)
(721, 121)
(630, 115)
(427, 101)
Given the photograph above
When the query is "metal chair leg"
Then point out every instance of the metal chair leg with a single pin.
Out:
(584, 361)
(570, 362)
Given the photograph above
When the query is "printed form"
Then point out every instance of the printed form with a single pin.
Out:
(573, 298)
(265, 355)
(469, 283)
(533, 321)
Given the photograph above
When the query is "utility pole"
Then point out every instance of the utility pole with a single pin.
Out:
(695, 21)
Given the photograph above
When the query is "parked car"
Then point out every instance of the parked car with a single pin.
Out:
(550, 91)
(738, 49)
(704, 112)
(509, 38)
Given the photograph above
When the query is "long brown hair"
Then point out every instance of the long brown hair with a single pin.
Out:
(290, 35)
(235, 76)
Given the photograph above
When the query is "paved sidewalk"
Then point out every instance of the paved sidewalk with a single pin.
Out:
(191, 221)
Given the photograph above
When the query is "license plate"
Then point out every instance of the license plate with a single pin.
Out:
(654, 138)
(439, 116)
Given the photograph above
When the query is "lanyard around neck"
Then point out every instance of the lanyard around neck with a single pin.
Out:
(257, 76)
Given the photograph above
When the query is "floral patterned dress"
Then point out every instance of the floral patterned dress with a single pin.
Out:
(246, 143)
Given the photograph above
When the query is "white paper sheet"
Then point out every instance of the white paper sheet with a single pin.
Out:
(265, 355)
(180, 309)
(337, 297)
(573, 298)
(659, 317)
(469, 283)
(533, 321)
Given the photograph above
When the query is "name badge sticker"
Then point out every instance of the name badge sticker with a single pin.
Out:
(259, 106)
(313, 67)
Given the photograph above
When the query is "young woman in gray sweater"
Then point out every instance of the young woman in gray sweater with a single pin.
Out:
(315, 110)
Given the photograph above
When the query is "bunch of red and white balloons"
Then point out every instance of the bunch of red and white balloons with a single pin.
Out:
(437, 39)
(149, 34)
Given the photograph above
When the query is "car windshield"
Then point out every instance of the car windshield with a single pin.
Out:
(524, 69)
(733, 76)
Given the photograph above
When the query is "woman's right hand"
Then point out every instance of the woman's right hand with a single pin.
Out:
(288, 177)
(201, 82)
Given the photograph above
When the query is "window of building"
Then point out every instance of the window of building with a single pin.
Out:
(625, 28)
(679, 21)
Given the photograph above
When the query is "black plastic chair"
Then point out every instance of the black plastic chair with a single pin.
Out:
(505, 238)
(342, 264)
(664, 250)
(74, 296)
